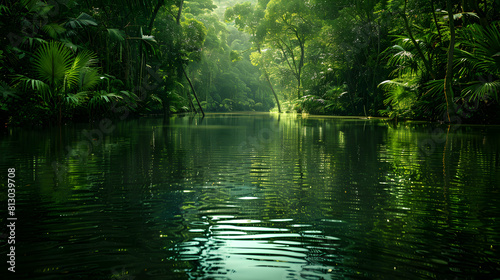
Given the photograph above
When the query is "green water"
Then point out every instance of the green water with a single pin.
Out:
(254, 197)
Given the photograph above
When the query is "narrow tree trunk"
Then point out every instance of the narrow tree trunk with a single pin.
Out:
(180, 11)
(59, 103)
(190, 99)
(415, 43)
(375, 71)
(183, 70)
(153, 17)
(141, 72)
(127, 64)
(166, 107)
(269, 81)
(435, 20)
(448, 91)
(194, 91)
(301, 64)
(108, 61)
(272, 89)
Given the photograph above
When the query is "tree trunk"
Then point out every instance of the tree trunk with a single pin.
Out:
(415, 43)
(127, 64)
(182, 66)
(435, 21)
(272, 89)
(166, 107)
(180, 11)
(153, 17)
(301, 64)
(448, 91)
(194, 92)
(269, 81)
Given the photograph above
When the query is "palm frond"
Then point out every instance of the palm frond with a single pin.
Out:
(482, 90)
(70, 44)
(399, 93)
(52, 62)
(484, 46)
(4, 10)
(35, 85)
(89, 78)
(6, 91)
(129, 94)
(83, 60)
(391, 84)
(435, 87)
(82, 20)
(53, 30)
(400, 57)
(75, 99)
(116, 34)
(99, 98)
(155, 98)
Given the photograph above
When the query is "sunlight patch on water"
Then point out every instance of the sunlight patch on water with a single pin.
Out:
(248, 198)
(239, 221)
(281, 220)
(220, 227)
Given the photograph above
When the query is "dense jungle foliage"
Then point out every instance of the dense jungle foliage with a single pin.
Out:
(64, 60)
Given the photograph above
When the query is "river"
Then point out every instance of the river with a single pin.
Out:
(254, 196)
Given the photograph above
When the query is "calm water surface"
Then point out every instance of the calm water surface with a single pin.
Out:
(254, 197)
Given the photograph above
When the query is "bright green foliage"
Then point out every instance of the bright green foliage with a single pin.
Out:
(62, 79)
(480, 62)
(341, 57)
(194, 34)
(419, 61)
(223, 77)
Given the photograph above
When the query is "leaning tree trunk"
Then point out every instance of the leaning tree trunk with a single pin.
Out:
(194, 91)
(269, 81)
(272, 89)
(183, 70)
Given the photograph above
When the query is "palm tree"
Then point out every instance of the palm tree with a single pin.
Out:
(480, 62)
(62, 79)
(402, 90)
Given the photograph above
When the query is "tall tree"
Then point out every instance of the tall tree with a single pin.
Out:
(248, 18)
(290, 25)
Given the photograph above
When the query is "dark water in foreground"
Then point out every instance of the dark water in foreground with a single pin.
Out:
(254, 197)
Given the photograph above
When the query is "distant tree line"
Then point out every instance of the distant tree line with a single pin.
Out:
(418, 59)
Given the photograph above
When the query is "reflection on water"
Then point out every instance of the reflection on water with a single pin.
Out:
(238, 247)
(256, 197)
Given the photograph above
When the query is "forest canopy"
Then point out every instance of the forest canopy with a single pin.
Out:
(64, 61)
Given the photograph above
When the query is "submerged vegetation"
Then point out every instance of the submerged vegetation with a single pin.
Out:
(63, 61)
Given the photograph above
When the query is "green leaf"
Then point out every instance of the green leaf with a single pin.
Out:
(6, 91)
(89, 78)
(81, 21)
(77, 74)
(53, 30)
(435, 87)
(52, 62)
(116, 34)
(4, 10)
(75, 99)
(481, 90)
(36, 85)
